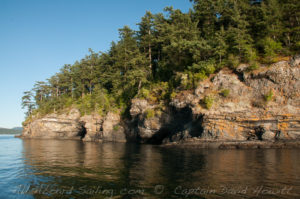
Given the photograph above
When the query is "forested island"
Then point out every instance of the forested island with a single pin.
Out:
(16, 130)
(182, 76)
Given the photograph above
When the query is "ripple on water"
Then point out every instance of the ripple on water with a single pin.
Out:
(73, 164)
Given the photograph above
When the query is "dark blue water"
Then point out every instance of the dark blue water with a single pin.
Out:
(72, 169)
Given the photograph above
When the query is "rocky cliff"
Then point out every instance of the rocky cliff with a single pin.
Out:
(231, 105)
(71, 125)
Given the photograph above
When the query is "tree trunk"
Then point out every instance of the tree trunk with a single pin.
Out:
(72, 94)
(90, 88)
(82, 92)
(139, 87)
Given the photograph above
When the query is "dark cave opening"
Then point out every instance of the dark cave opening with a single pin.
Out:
(182, 120)
(259, 131)
(82, 131)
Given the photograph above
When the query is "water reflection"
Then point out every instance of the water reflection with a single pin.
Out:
(73, 169)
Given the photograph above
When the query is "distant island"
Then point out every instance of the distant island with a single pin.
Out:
(16, 130)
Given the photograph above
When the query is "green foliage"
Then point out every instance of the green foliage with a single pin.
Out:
(144, 93)
(298, 45)
(149, 113)
(116, 127)
(253, 66)
(173, 95)
(233, 61)
(27, 102)
(10, 131)
(169, 52)
(85, 104)
(208, 101)
(185, 80)
(271, 48)
(225, 92)
(199, 76)
(250, 54)
(160, 91)
(269, 96)
(205, 67)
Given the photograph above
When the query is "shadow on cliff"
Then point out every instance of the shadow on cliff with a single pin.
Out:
(82, 132)
(183, 124)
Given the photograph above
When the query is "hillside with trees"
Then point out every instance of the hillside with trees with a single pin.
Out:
(151, 62)
(16, 130)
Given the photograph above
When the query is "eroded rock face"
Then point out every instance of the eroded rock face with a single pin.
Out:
(138, 107)
(55, 126)
(92, 124)
(73, 126)
(238, 115)
(112, 129)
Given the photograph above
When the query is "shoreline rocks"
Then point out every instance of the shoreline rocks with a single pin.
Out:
(236, 144)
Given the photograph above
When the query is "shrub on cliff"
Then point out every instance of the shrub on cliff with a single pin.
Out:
(225, 92)
(116, 127)
(253, 66)
(271, 49)
(149, 113)
(208, 101)
(269, 96)
(233, 61)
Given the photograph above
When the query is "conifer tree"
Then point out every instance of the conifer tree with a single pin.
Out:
(28, 103)
(146, 36)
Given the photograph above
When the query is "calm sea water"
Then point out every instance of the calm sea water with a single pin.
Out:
(72, 169)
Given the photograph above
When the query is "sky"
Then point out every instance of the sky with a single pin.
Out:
(37, 37)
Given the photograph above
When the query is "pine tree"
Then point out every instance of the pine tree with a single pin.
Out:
(238, 35)
(28, 103)
(130, 65)
(146, 36)
(220, 44)
(179, 38)
(291, 22)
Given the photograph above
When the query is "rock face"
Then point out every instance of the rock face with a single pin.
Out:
(92, 125)
(260, 105)
(73, 126)
(112, 129)
(55, 126)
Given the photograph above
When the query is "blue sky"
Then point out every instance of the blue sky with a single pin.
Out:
(37, 37)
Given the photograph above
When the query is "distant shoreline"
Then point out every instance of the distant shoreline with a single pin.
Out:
(13, 131)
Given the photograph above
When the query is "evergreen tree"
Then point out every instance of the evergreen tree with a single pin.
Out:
(28, 103)
(220, 44)
(146, 36)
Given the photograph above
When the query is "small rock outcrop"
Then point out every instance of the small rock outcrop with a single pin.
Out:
(55, 126)
(73, 126)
